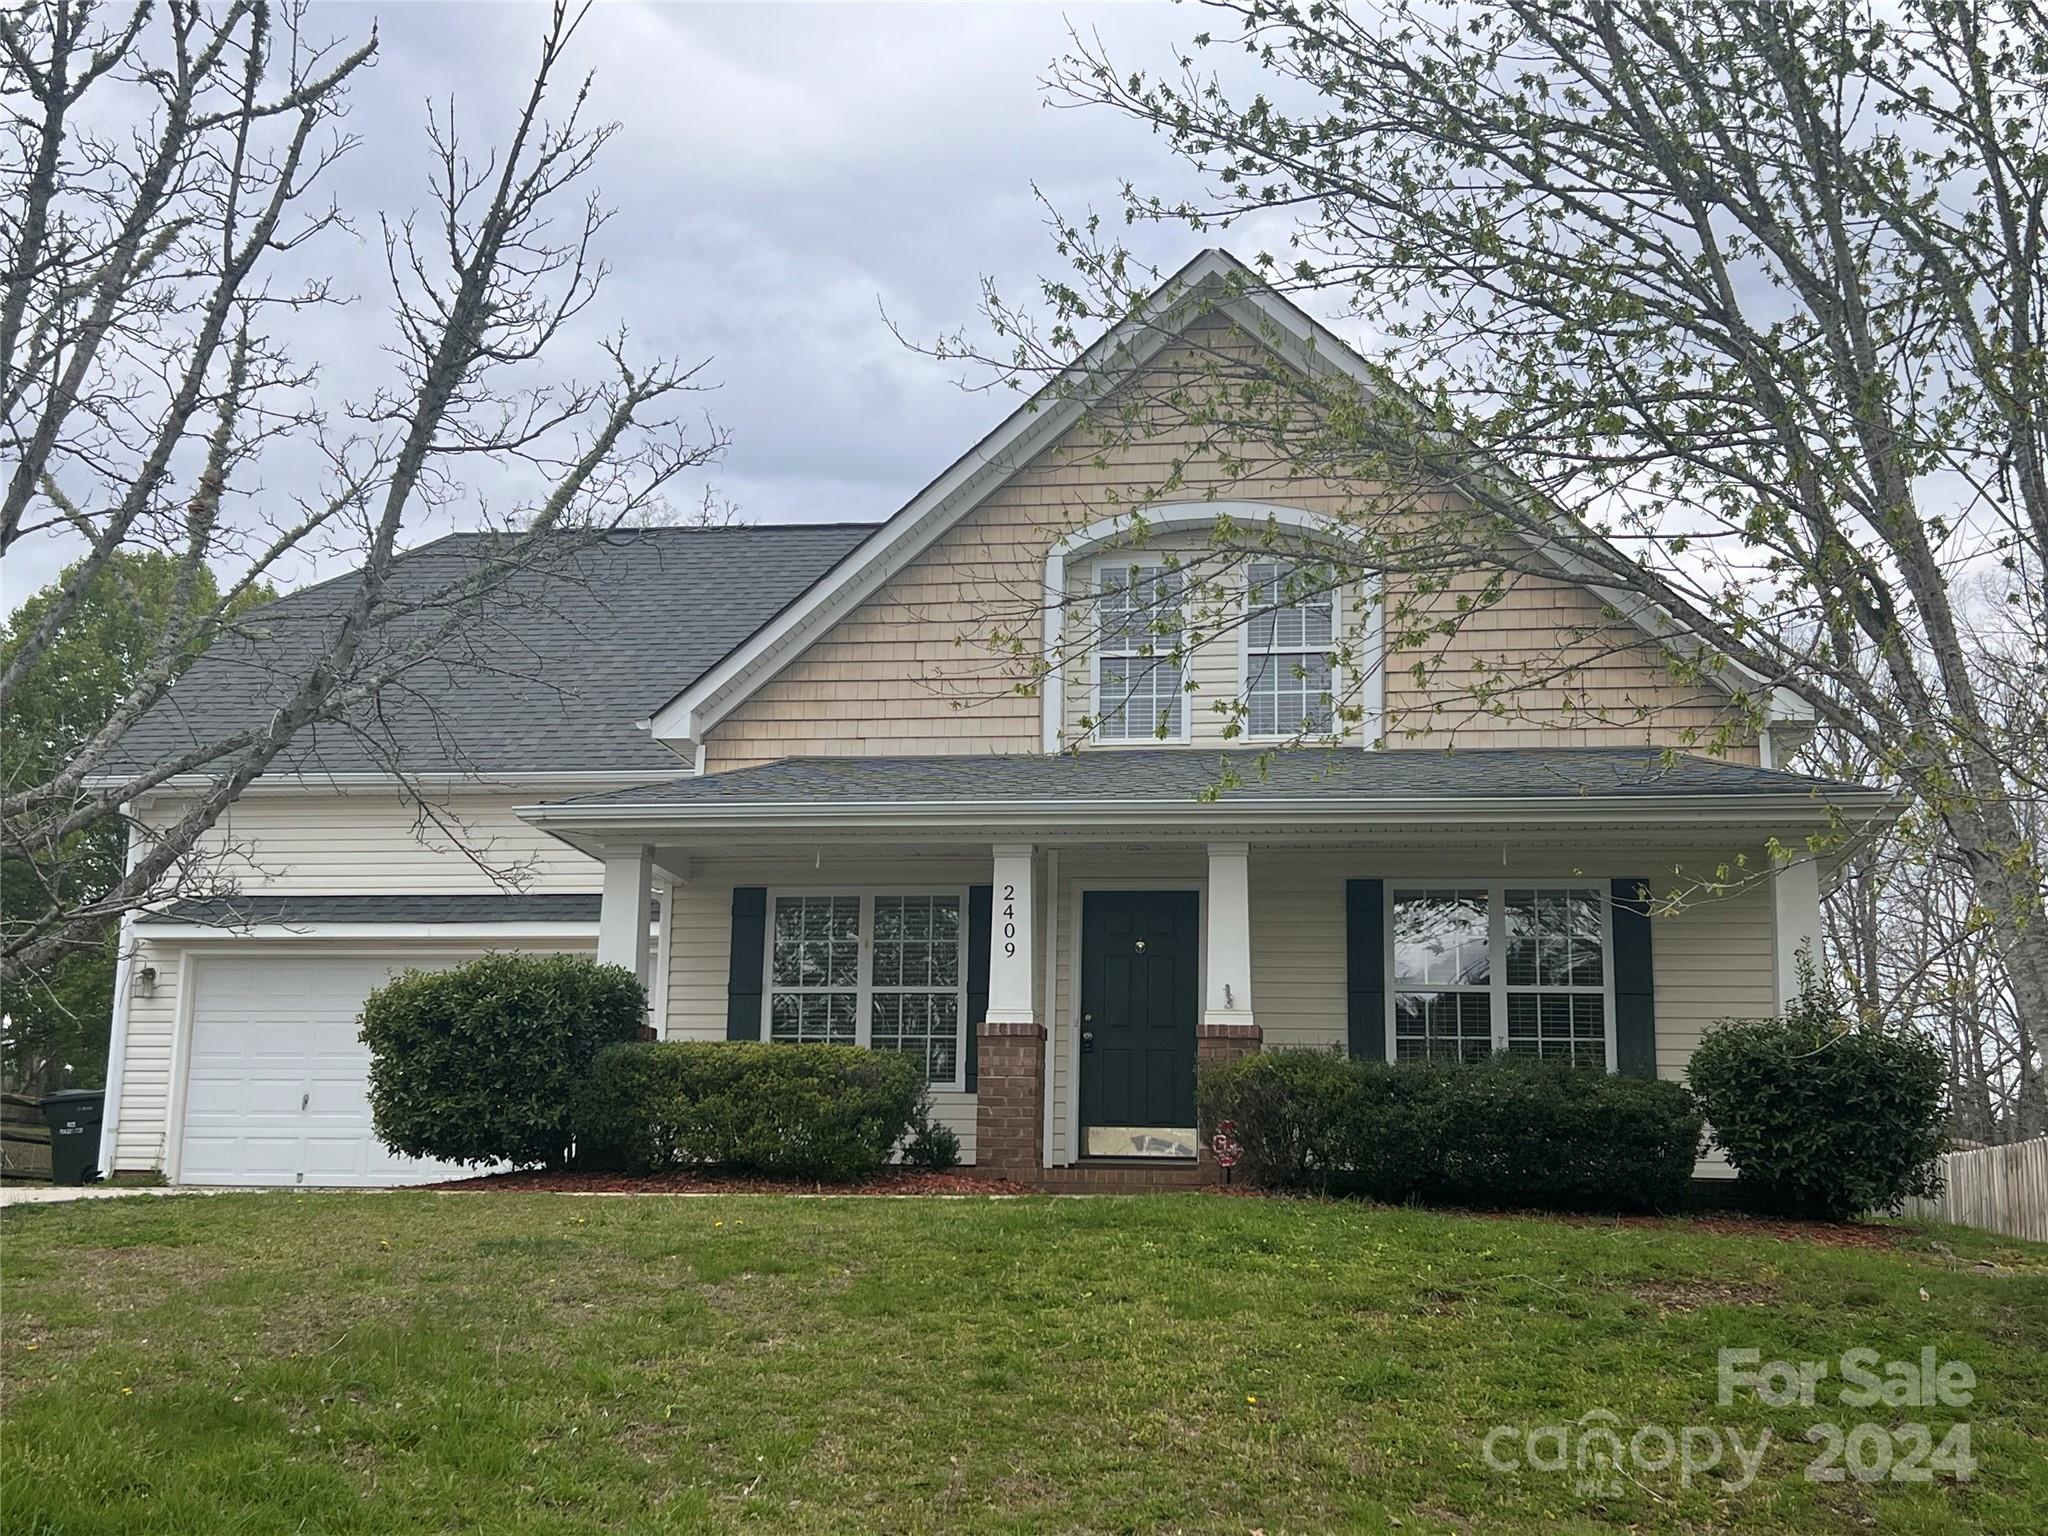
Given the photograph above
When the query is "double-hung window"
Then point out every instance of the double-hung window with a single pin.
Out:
(885, 970)
(1289, 683)
(1443, 974)
(1484, 967)
(1140, 681)
(1557, 973)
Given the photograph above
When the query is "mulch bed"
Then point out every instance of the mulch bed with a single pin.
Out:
(889, 1182)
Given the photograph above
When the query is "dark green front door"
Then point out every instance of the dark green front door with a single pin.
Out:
(1140, 955)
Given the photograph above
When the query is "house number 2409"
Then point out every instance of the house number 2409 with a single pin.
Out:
(1009, 920)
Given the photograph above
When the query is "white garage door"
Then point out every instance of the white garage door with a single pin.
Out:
(276, 1091)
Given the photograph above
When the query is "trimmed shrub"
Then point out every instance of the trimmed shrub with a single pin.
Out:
(932, 1147)
(1507, 1132)
(830, 1112)
(1819, 1118)
(478, 1064)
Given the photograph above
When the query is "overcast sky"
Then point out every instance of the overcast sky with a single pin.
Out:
(783, 173)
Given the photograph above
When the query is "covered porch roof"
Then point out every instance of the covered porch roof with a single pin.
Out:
(1185, 794)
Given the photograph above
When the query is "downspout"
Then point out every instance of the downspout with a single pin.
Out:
(117, 1030)
(663, 956)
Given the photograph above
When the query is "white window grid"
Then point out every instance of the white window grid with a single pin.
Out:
(827, 1007)
(1289, 681)
(1140, 681)
(1509, 1005)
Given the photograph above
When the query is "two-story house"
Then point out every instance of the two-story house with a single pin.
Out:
(782, 774)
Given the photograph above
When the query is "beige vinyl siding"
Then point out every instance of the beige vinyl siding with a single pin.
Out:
(334, 843)
(700, 946)
(327, 842)
(938, 659)
(140, 1131)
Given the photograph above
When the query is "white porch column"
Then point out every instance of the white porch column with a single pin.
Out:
(1795, 922)
(1010, 937)
(622, 914)
(1009, 1094)
(1228, 1003)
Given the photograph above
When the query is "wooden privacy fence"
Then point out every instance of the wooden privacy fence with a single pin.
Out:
(24, 1138)
(2000, 1189)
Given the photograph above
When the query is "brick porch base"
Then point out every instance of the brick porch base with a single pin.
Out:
(1009, 1116)
(1009, 1100)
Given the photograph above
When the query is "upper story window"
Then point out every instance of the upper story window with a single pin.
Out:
(1290, 625)
(1140, 678)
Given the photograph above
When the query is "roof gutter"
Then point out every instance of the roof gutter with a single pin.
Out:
(1319, 813)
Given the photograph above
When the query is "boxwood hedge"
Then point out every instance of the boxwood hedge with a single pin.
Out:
(1504, 1133)
(831, 1112)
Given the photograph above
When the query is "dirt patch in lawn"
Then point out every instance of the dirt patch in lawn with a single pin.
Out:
(893, 1181)
(1829, 1234)
(1691, 1295)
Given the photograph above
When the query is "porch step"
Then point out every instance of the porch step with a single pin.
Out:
(1120, 1178)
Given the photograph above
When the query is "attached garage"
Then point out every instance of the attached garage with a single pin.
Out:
(267, 1082)
(276, 1082)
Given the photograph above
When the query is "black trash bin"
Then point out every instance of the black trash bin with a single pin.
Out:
(74, 1115)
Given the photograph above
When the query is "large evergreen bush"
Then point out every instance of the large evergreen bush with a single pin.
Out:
(1819, 1118)
(477, 1064)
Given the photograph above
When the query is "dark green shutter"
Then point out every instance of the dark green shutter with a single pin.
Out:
(1635, 986)
(1365, 948)
(749, 962)
(980, 913)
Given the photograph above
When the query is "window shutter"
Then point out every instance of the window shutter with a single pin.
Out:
(749, 962)
(1365, 948)
(1635, 991)
(981, 905)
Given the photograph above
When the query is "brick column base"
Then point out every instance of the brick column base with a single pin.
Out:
(1220, 1042)
(1009, 1100)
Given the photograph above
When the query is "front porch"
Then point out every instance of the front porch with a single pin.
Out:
(1063, 965)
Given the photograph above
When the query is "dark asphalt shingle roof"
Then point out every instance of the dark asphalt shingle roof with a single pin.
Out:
(1185, 774)
(552, 678)
(484, 907)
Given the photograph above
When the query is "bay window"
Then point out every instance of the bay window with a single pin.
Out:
(1290, 685)
(885, 970)
(1140, 679)
(1483, 967)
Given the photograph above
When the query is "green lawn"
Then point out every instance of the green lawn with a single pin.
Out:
(379, 1363)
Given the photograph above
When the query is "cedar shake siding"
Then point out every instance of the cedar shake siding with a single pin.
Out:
(906, 671)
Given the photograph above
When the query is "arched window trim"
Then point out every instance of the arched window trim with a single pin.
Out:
(1079, 546)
